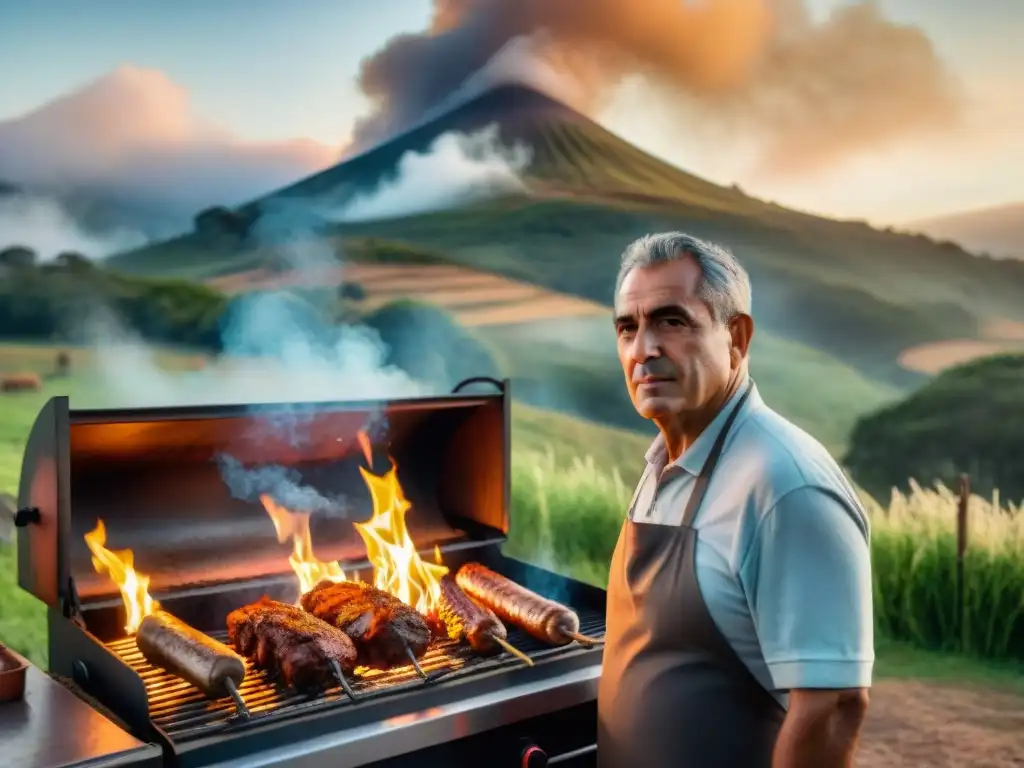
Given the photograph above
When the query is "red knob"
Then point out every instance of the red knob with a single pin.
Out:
(534, 757)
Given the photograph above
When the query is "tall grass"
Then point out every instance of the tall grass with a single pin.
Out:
(567, 517)
(913, 545)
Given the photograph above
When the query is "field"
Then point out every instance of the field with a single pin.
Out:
(999, 337)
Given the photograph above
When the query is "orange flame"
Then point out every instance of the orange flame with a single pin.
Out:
(397, 566)
(120, 566)
(364, 443)
(295, 525)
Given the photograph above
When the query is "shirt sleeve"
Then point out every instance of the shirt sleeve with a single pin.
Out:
(808, 580)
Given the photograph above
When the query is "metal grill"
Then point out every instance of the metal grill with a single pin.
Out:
(183, 712)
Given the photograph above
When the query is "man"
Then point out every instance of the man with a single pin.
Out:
(739, 595)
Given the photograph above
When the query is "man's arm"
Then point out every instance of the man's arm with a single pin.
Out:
(809, 581)
(821, 728)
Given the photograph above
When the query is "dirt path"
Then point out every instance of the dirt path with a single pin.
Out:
(914, 724)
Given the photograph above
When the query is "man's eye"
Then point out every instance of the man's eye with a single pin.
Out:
(626, 330)
(673, 322)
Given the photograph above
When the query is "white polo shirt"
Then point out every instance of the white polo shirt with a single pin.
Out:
(782, 556)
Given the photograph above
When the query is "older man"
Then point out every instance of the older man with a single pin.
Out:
(739, 596)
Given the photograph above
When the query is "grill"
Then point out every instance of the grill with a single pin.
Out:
(152, 476)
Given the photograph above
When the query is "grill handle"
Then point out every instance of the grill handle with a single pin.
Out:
(499, 385)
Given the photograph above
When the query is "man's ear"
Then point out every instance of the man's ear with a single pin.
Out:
(741, 331)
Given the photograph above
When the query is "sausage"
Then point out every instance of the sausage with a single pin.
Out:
(544, 619)
(171, 644)
(465, 620)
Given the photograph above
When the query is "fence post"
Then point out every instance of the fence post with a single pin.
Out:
(961, 549)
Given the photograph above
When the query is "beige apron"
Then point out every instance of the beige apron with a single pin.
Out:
(673, 692)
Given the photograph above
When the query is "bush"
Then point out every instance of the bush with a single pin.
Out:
(351, 292)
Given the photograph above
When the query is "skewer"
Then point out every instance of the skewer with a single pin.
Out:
(585, 639)
(513, 650)
(415, 663)
(243, 710)
(338, 673)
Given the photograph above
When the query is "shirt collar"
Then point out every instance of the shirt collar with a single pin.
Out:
(693, 458)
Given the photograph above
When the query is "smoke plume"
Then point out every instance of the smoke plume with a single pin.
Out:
(283, 484)
(812, 91)
(276, 347)
(456, 169)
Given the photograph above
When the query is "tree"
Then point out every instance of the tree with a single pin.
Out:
(18, 256)
(73, 261)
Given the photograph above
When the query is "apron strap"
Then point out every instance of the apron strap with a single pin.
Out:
(700, 485)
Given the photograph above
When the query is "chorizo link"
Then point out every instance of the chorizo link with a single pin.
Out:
(545, 619)
(169, 643)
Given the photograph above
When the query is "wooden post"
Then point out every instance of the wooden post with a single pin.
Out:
(961, 549)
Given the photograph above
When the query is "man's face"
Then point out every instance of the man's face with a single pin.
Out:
(675, 357)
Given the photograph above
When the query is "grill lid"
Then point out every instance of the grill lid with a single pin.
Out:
(158, 478)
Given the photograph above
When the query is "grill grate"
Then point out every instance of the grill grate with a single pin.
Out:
(183, 712)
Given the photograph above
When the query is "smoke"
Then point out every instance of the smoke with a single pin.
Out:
(457, 168)
(283, 484)
(810, 91)
(276, 347)
(45, 226)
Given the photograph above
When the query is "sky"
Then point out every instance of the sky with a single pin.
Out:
(269, 74)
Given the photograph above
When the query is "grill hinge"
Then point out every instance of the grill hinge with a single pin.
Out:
(72, 605)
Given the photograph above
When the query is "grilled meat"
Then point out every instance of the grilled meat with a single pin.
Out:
(465, 620)
(545, 619)
(291, 643)
(384, 629)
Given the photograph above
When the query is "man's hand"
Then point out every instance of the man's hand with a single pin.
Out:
(821, 728)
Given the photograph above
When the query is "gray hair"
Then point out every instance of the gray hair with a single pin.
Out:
(725, 285)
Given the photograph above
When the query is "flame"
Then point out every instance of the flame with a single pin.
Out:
(397, 566)
(364, 443)
(120, 566)
(295, 525)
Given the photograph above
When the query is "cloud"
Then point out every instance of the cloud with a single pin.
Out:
(133, 133)
(812, 91)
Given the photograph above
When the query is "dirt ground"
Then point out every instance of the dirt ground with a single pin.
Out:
(915, 724)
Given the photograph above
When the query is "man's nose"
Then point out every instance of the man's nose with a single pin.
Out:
(645, 345)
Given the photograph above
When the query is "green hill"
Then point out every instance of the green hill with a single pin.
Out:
(968, 419)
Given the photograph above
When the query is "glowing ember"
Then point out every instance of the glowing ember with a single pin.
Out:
(120, 566)
(295, 525)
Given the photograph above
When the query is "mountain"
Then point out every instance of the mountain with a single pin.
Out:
(998, 230)
(860, 294)
(571, 154)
